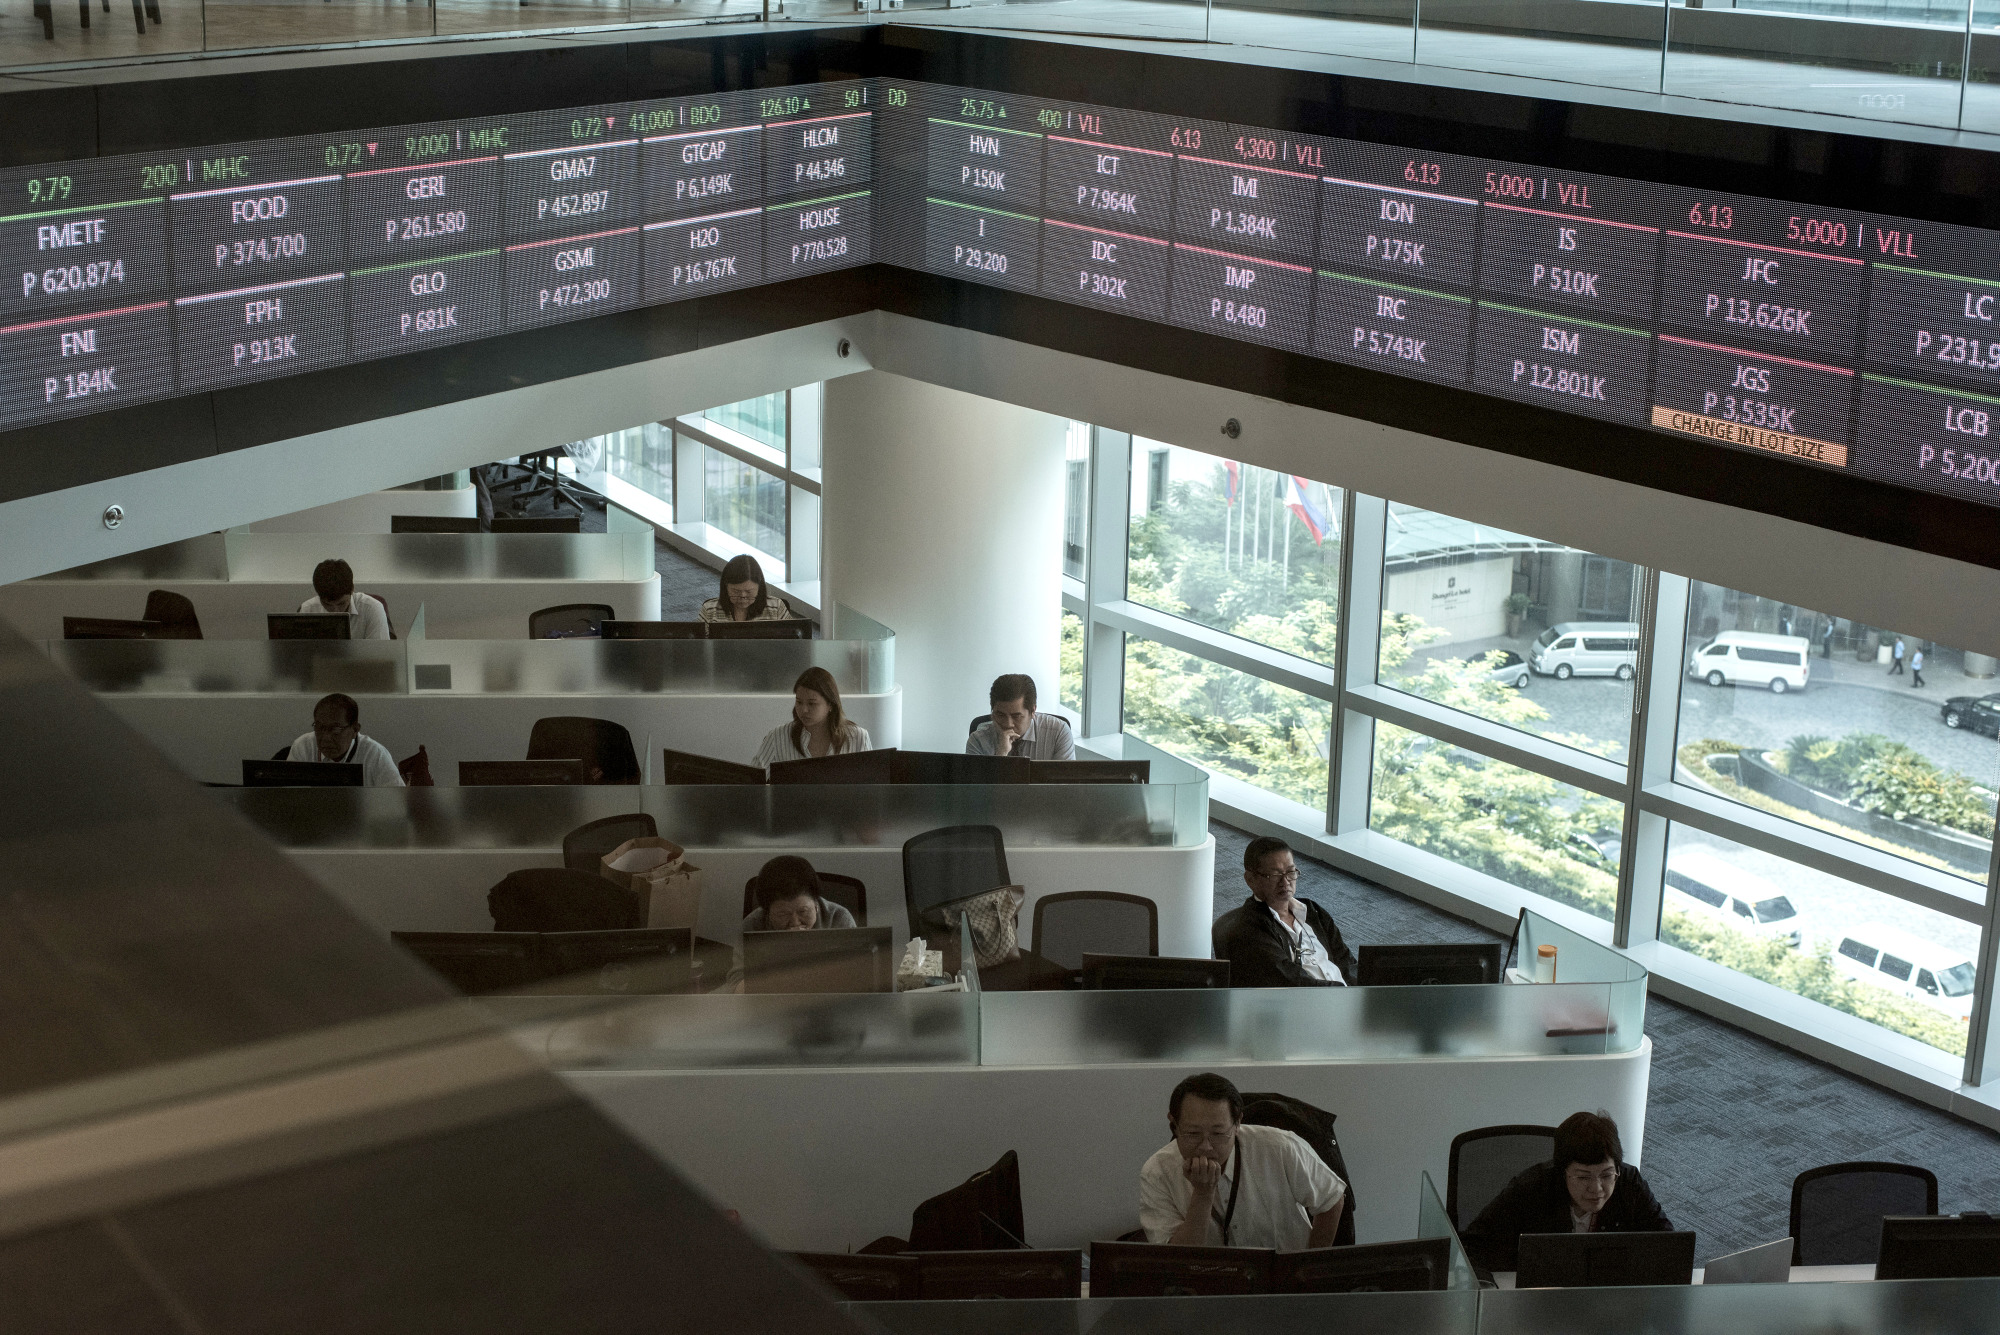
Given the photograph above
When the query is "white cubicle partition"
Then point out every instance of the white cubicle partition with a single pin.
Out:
(371, 513)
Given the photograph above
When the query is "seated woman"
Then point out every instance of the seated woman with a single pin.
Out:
(818, 728)
(1586, 1187)
(787, 892)
(744, 595)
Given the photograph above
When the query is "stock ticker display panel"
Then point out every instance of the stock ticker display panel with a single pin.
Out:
(1834, 339)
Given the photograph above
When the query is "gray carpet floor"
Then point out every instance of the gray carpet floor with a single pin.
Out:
(1731, 1118)
(684, 583)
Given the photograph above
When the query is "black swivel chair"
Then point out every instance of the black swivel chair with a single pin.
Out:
(845, 891)
(976, 721)
(540, 482)
(1100, 922)
(595, 741)
(1485, 1159)
(569, 619)
(560, 899)
(1837, 1209)
(174, 613)
(584, 847)
(951, 863)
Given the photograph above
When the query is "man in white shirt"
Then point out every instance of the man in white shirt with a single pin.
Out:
(1219, 1183)
(333, 587)
(336, 738)
(1017, 728)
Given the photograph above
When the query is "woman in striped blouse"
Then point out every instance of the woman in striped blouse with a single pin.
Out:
(818, 728)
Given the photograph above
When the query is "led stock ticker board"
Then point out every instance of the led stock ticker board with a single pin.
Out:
(1837, 339)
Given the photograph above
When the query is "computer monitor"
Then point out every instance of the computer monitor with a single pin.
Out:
(642, 961)
(308, 626)
(300, 774)
(107, 628)
(1144, 1270)
(495, 773)
(476, 963)
(795, 629)
(687, 767)
(1961, 1246)
(1418, 1265)
(433, 524)
(1090, 771)
(1604, 1260)
(951, 1276)
(831, 959)
(950, 767)
(849, 767)
(1152, 972)
(1409, 966)
(538, 524)
(653, 630)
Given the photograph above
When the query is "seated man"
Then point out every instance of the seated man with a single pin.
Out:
(1017, 728)
(336, 738)
(1219, 1183)
(333, 589)
(1586, 1187)
(1277, 939)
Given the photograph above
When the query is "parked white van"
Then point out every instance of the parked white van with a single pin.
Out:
(1701, 883)
(1906, 964)
(1586, 649)
(1749, 658)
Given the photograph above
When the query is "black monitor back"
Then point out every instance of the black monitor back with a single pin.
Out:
(496, 773)
(1407, 966)
(951, 767)
(1417, 1265)
(953, 1276)
(108, 628)
(308, 626)
(794, 629)
(433, 524)
(538, 524)
(1143, 1270)
(1090, 771)
(1963, 1246)
(476, 963)
(1152, 972)
(849, 767)
(687, 767)
(1604, 1260)
(642, 961)
(300, 774)
(652, 630)
(831, 959)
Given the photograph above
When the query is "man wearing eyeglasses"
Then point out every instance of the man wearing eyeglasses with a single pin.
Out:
(1277, 939)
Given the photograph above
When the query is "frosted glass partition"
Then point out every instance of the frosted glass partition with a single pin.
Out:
(357, 667)
(1434, 1221)
(1447, 1313)
(1206, 1026)
(397, 557)
(199, 557)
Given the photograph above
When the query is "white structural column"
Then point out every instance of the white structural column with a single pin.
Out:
(942, 517)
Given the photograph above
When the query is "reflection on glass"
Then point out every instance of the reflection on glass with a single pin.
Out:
(1373, 29)
(1577, 41)
(1236, 548)
(1076, 498)
(749, 505)
(1814, 717)
(1522, 828)
(1267, 735)
(644, 457)
(1529, 633)
(762, 419)
(1906, 968)
(1071, 675)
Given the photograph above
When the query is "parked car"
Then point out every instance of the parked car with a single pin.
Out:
(1901, 962)
(1586, 649)
(1507, 667)
(1981, 713)
(1750, 658)
(1701, 883)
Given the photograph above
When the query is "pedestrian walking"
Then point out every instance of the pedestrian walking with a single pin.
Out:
(1896, 666)
(1917, 669)
(1826, 639)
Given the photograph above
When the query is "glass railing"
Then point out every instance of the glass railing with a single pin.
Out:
(1434, 1221)
(623, 553)
(226, 667)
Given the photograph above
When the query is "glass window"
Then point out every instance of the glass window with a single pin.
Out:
(747, 504)
(1076, 499)
(1508, 628)
(1529, 831)
(1235, 548)
(644, 457)
(1823, 721)
(1229, 721)
(1070, 677)
(1856, 950)
(761, 419)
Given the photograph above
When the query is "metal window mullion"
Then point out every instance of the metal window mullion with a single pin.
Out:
(1642, 865)
(1239, 655)
(1107, 551)
(1508, 745)
(1982, 1043)
(749, 458)
(1352, 750)
(1343, 639)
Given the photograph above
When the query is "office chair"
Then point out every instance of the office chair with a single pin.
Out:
(1101, 922)
(1315, 1127)
(595, 741)
(540, 483)
(174, 613)
(846, 891)
(981, 1214)
(585, 847)
(567, 619)
(1837, 1209)
(415, 770)
(561, 899)
(976, 721)
(1485, 1159)
(951, 863)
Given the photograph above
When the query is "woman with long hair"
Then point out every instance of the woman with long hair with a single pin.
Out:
(744, 596)
(819, 726)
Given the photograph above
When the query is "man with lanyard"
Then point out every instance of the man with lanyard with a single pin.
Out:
(336, 738)
(1219, 1183)
(1277, 939)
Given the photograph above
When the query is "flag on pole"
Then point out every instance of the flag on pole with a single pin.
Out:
(1299, 500)
(1231, 483)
